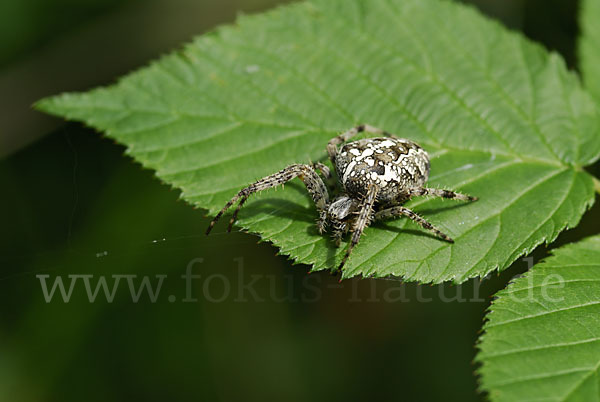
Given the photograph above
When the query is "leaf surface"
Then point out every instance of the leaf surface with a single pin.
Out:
(589, 45)
(542, 337)
(501, 118)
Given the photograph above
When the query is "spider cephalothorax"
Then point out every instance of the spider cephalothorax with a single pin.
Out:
(377, 175)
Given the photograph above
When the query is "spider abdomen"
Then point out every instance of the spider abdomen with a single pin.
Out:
(392, 164)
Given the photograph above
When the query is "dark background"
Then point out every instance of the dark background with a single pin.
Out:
(73, 204)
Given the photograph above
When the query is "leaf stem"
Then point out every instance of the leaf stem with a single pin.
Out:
(596, 184)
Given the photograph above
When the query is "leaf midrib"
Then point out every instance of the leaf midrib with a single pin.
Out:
(424, 143)
(538, 348)
(545, 313)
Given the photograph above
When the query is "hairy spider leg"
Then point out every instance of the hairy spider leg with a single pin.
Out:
(436, 192)
(313, 182)
(399, 210)
(322, 168)
(338, 231)
(363, 220)
(316, 166)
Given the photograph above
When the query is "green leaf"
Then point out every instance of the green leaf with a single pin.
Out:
(501, 118)
(542, 337)
(589, 45)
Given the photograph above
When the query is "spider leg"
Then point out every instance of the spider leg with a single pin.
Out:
(322, 168)
(362, 221)
(313, 182)
(399, 210)
(237, 210)
(322, 221)
(436, 192)
(345, 136)
(340, 228)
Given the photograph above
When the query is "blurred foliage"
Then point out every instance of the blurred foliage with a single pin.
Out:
(589, 46)
(28, 24)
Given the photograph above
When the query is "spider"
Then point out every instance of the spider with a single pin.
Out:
(377, 176)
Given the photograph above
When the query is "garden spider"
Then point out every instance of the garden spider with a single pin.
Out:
(377, 176)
